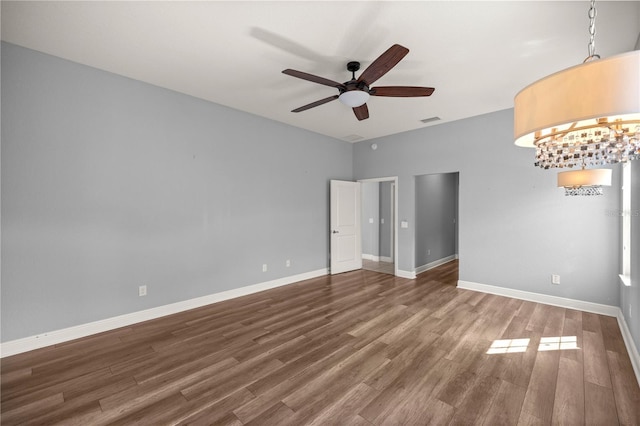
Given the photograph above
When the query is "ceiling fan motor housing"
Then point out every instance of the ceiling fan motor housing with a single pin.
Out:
(354, 85)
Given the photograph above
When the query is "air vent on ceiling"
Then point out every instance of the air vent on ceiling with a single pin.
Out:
(429, 120)
(353, 138)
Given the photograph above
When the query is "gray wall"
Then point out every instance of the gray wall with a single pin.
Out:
(630, 296)
(370, 211)
(109, 183)
(377, 206)
(436, 217)
(516, 228)
(386, 214)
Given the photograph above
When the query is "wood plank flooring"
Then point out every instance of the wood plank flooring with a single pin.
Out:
(360, 348)
(378, 266)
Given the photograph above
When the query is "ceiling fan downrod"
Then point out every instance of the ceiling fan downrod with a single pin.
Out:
(353, 67)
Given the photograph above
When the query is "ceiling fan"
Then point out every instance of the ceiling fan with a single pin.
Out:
(355, 93)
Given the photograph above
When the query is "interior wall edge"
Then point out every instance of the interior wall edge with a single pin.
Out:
(406, 274)
(423, 268)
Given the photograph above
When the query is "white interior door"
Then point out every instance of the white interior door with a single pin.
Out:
(346, 241)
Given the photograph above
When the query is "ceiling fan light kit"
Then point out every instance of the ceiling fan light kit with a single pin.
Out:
(586, 115)
(354, 98)
(356, 92)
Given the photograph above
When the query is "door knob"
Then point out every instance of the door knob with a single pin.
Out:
(335, 232)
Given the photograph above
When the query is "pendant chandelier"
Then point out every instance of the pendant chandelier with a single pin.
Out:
(584, 182)
(587, 115)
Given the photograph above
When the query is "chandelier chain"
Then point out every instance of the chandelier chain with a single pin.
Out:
(592, 30)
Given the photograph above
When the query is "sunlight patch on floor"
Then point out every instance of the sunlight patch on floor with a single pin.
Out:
(506, 346)
(557, 343)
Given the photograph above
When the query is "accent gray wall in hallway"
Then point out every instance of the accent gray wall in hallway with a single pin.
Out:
(436, 216)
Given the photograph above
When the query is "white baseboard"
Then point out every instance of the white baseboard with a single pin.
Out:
(629, 343)
(406, 274)
(371, 257)
(435, 263)
(596, 308)
(375, 258)
(25, 344)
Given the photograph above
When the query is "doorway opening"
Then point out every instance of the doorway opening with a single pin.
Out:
(436, 240)
(378, 221)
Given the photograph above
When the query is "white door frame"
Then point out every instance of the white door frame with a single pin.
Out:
(393, 220)
(393, 179)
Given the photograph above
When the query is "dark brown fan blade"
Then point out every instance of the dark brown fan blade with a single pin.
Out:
(313, 78)
(401, 91)
(316, 103)
(383, 64)
(361, 112)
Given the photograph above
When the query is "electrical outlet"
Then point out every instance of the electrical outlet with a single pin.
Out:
(142, 290)
(264, 267)
(287, 263)
(630, 311)
(555, 279)
(429, 252)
